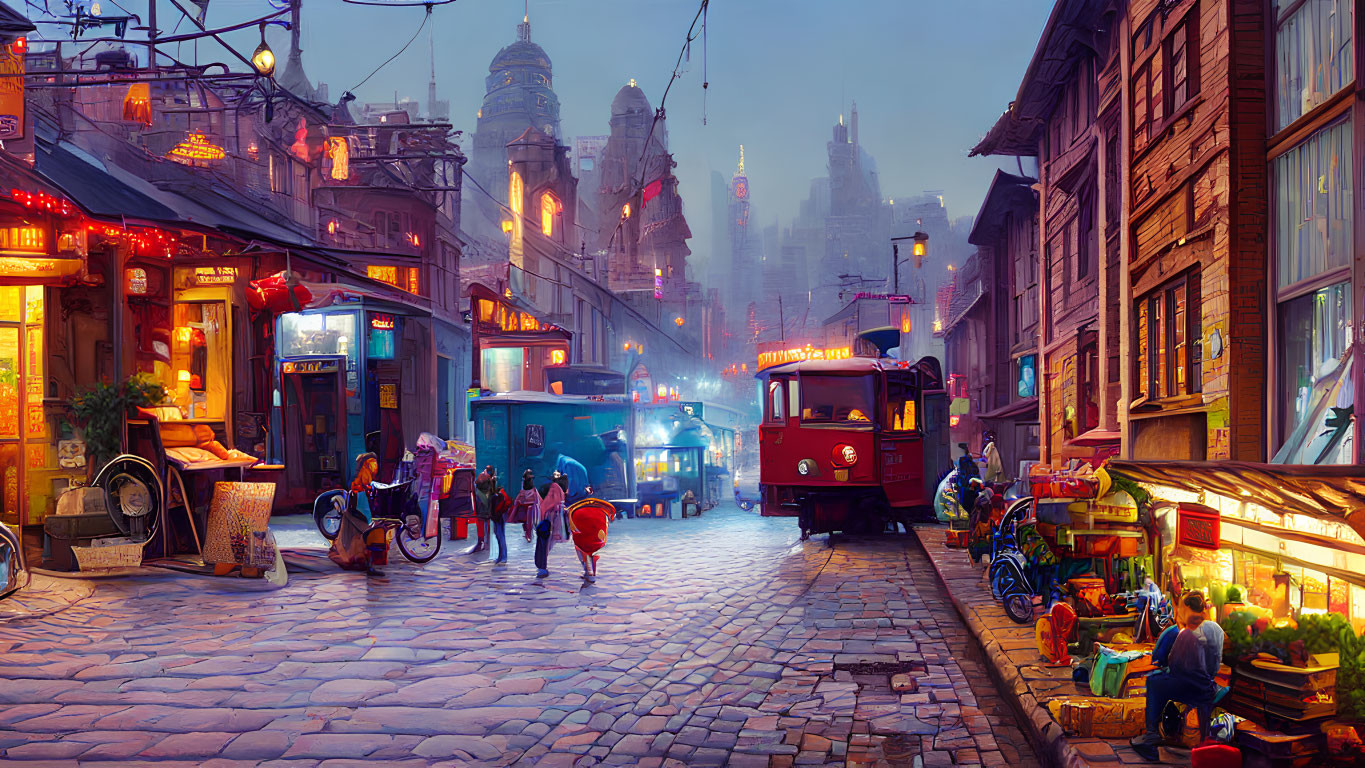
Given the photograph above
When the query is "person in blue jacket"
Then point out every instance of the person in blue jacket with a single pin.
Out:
(1189, 657)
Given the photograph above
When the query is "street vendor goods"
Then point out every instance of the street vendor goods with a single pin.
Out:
(1099, 718)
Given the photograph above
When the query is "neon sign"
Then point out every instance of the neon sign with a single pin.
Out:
(382, 322)
(802, 354)
(215, 275)
(312, 366)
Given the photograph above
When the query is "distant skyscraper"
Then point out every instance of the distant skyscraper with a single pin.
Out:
(519, 95)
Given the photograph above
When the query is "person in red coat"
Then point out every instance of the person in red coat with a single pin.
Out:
(588, 521)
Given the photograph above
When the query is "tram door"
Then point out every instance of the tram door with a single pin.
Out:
(315, 423)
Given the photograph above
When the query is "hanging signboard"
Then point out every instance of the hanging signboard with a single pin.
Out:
(1197, 526)
(12, 90)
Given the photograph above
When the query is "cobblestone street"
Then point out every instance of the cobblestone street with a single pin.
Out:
(712, 641)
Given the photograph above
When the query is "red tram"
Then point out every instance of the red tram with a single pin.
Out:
(853, 444)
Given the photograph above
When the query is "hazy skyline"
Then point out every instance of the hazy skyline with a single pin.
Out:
(929, 79)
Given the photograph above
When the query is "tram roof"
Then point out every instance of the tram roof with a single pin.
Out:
(851, 366)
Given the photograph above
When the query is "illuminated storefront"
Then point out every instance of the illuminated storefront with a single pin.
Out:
(512, 347)
(1285, 536)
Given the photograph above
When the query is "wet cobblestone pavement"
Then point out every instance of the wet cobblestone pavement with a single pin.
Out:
(706, 642)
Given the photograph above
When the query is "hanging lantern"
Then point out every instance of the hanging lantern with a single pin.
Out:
(137, 104)
(196, 147)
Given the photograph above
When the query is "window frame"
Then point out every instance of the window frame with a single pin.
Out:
(776, 384)
(1157, 368)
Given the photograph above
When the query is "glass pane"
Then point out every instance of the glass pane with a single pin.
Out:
(836, 399)
(35, 422)
(1178, 333)
(33, 304)
(1315, 334)
(502, 368)
(1313, 218)
(1314, 57)
(318, 334)
(11, 304)
(9, 483)
(1157, 323)
(776, 407)
(9, 382)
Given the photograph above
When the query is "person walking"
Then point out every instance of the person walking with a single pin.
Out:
(526, 506)
(550, 525)
(588, 522)
(498, 508)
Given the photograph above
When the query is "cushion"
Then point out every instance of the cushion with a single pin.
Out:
(203, 433)
(190, 454)
(216, 448)
(162, 412)
(175, 435)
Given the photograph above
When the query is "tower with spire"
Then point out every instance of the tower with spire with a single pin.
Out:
(519, 94)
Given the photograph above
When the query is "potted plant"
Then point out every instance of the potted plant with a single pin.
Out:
(99, 414)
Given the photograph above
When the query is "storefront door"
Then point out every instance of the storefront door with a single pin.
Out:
(23, 429)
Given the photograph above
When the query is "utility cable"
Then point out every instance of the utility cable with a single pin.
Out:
(420, 27)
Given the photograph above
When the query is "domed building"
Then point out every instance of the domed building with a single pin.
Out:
(519, 94)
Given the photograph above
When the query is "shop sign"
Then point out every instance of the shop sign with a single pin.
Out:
(535, 438)
(693, 409)
(312, 366)
(388, 396)
(214, 275)
(26, 268)
(12, 90)
(382, 322)
(1197, 526)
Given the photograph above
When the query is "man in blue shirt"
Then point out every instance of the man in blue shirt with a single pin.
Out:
(1190, 657)
(578, 478)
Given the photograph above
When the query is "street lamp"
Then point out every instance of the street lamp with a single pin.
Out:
(263, 59)
(918, 252)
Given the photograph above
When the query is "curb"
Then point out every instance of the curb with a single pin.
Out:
(1049, 740)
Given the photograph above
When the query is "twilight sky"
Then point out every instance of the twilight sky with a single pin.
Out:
(930, 78)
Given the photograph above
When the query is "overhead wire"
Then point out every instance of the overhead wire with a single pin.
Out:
(659, 113)
(425, 17)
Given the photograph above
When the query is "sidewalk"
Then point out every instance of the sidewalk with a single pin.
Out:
(1011, 652)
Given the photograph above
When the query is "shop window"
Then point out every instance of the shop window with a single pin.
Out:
(502, 369)
(1314, 225)
(1316, 385)
(1087, 390)
(1169, 331)
(1314, 54)
(318, 334)
(197, 376)
(1026, 381)
(405, 278)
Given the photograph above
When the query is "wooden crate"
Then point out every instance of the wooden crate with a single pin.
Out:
(1094, 717)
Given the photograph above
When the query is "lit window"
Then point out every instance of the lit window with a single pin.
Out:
(549, 206)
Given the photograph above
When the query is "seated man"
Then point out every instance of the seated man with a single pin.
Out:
(1190, 657)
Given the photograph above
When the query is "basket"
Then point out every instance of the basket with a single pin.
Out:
(108, 556)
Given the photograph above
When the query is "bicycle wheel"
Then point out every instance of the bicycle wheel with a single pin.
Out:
(413, 543)
(327, 511)
(1019, 608)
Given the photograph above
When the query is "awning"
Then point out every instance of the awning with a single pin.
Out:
(1096, 437)
(90, 185)
(273, 293)
(1028, 406)
(1335, 493)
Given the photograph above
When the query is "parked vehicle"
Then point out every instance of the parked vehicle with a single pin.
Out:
(852, 444)
(1008, 573)
(13, 571)
(409, 507)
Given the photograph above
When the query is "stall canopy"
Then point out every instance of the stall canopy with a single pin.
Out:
(274, 293)
(1335, 493)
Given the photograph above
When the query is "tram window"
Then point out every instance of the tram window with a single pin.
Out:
(836, 400)
(776, 402)
(900, 406)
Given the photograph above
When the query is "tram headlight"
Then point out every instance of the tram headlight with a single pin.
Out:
(844, 455)
(807, 468)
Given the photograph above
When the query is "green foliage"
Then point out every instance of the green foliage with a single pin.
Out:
(1235, 594)
(1237, 627)
(100, 411)
(1351, 675)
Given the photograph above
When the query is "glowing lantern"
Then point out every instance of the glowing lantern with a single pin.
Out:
(557, 357)
(137, 104)
(678, 321)
(263, 59)
(194, 148)
(625, 211)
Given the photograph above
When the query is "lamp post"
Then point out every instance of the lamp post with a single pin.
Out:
(920, 249)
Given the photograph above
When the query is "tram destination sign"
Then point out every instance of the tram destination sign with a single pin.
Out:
(312, 366)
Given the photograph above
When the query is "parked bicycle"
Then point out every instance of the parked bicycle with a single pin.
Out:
(407, 507)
